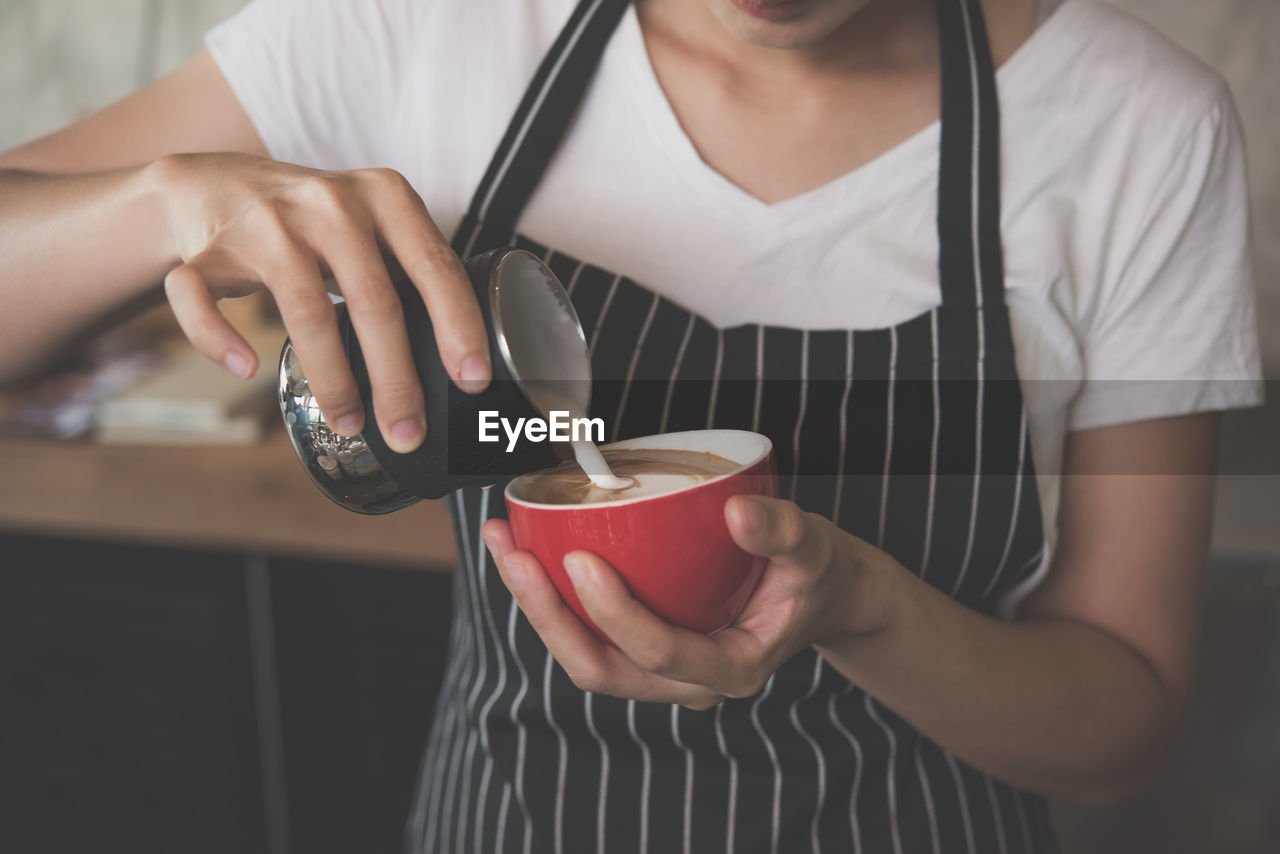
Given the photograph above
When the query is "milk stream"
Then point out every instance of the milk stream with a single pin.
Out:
(552, 396)
(593, 463)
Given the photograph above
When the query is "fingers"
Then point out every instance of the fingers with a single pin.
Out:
(408, 231)
(378, 318)
(308, 314)
(591, 664)
(718, 663)
(775, 528)
(570, 641)
(280, 226)
(293, 276)
(188, 289)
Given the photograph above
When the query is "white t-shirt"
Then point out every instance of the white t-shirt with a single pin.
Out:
(1123, 199)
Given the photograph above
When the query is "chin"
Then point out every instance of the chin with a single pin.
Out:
(812, 22)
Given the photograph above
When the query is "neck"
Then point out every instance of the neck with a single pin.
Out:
(881, 36)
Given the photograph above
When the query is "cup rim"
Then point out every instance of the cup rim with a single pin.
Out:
(646, 442)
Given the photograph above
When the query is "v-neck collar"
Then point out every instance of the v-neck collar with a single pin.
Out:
(878, 179)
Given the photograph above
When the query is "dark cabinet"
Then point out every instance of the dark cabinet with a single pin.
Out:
(160, 700)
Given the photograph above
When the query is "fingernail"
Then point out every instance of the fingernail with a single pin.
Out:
(238, 364)
(515, 573)
(407, 434)
(474, 374)
(577, 570)
(349, 425)
(752, 515)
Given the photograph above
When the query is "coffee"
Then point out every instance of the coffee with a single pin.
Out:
(645, 471)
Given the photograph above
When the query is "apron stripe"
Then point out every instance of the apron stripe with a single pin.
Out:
(820, 796)
(1024, 829)
(731, 814)
(477, 737)
(646, 766)
(731, 763)
(430, 815)
(651, 388)
(713, 398)
(998, 809)
(888, 436)
(842, 454)
(800, 414)
(599, 321)
(890, 781)
(562, 757)
(814, 444)
(500, 831)
(1024, 441)
(521, 753)
(926, 789)
(759, 395)
(982, 810)
(687, 814)
(459, 757)
(858, 765)
(977, 477)
(965, 816)
(912, 799)
(770, 748)
(486, 711)
(907, 496)
(934, 360)
(603, 790)
(976, 175)
(464, 793)
(631, 369)
(776, 789)
(675, 374)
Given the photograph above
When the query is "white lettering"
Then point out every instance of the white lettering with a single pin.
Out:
(560, 428)
(559, 423)
(488, 423)
(512, 435)
(588, 425)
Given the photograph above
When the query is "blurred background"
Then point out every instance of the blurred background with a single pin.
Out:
(199, 653)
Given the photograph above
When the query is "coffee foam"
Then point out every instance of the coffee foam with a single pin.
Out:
(647, 472)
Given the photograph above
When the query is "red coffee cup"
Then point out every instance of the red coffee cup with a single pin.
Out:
(673, 550)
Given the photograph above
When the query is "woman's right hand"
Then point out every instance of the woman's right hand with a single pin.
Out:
(240, 222)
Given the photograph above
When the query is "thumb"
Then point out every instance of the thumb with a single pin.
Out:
(772, 527)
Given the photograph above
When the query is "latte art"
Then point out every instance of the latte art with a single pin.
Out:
(645, 472)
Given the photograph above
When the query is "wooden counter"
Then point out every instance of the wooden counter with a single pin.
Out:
(254, 497)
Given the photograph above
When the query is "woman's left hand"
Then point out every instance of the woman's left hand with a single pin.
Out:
(820, 583)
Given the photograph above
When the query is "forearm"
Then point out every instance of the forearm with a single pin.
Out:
(1055, 706)
(72, 248)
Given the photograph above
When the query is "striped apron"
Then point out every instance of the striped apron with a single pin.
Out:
(912, 437)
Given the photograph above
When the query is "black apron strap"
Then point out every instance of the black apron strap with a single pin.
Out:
(970, 257)
(538, 126)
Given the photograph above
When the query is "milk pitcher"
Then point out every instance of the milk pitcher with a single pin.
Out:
(540, 364)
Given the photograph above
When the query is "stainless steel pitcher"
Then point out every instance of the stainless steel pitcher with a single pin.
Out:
(540, 362)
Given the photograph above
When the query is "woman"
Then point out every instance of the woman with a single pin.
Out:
(743, 191)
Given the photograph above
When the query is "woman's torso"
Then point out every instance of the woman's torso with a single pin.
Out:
(912, 436)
